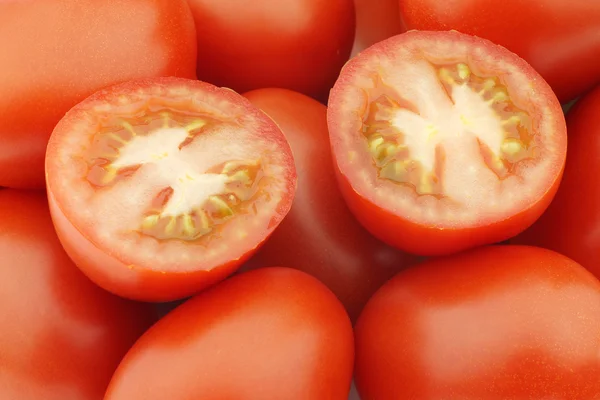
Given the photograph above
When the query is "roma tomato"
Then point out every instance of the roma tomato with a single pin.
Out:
(62, 336)
(159, 188)
(300, 45)
(445, 141)
(500, 322)
(376, 20)
(55, 53)
(559, 38)
(273, 333)
(319, 235)
(571, 225)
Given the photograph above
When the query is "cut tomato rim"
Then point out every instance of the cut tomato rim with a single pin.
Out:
(446, 129)
(170, 174)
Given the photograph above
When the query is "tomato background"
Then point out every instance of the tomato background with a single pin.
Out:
(498, 322)
(560, 39)
(376, 20)
(275, 333)
(571, 225)
(62, 336)
(319, 235)
(262, 43)
(55, 53)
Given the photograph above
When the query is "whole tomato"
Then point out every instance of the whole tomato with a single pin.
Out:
(55, 53)
(269, 334)
(495, 323)
(62, 336)
(319, 235)
(559, 38)
(571, 225)
(297, 44)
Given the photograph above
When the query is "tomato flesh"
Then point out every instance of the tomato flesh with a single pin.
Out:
(168, 176)
(444, 131)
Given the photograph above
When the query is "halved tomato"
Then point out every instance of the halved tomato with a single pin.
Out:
(444, 141)
(159, 188)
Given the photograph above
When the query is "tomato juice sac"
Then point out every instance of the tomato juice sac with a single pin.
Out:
(445, 141)
(171, 176)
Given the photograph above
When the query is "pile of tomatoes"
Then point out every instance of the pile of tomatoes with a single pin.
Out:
(271, 200)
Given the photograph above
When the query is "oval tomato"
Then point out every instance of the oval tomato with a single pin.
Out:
(571, 225)
(375, 21)
(62, 336)
(273, 333)
(445, 141)
(319, 235)
(55, 53)
(248, 45)
(501, 322)
(560, 39)
(159, 188)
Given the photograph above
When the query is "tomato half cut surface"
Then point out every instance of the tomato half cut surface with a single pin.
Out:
(159, 188)
(445, 141)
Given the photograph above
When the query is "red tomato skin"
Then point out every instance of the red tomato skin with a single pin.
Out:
(272, 333)
(498, 322)
(132, 281)
(429, 240)
(571, 224)
(59, 52)
(301, 45)
(319, 235)
(560, 39)
(418, 239)
(375, 21)
(62, 336)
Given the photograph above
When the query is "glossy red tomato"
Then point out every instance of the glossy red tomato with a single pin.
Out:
(299, 45)
(319, 235)
(376, 20)
(273, 333)
(161, 187)
(55, 53)
(62, 336)
(444, 141)
(571, 225)
(501, 322)
(559, 38)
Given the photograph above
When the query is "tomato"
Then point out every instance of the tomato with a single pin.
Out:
(499, 322)
(559, 38)
(62, 336)
(319, 235)
(161, 187)
(375, 21)
(248, 45)
(55, 53)
(273, 333)
(571, 225)
(444, 141)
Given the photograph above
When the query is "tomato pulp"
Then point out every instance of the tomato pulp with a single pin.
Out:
(571, 225)
(444, 141)
(273, 333)
(55, 53)
(499, 322)
(62, 336)
(319, 235)
(159, 188)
